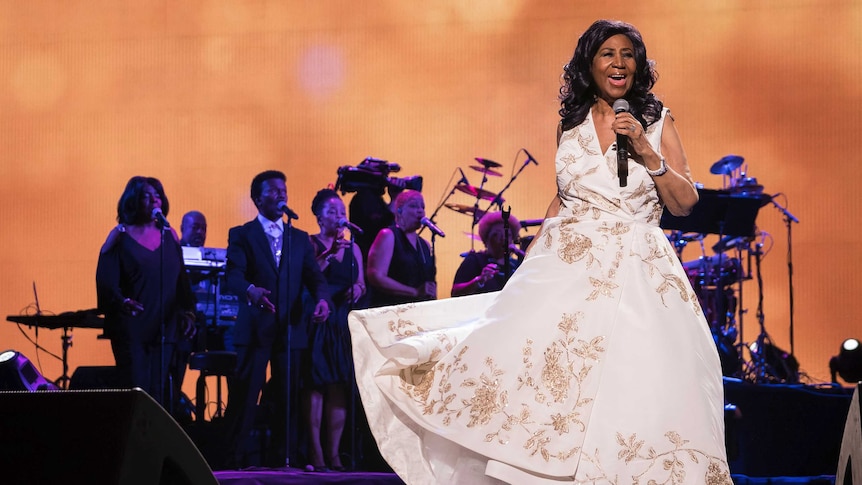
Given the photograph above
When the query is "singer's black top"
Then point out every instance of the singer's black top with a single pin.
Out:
(408, 266)
(156, 279)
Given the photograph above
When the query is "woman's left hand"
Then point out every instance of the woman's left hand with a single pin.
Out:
(626, 124)
(321, 312)
(356, 292)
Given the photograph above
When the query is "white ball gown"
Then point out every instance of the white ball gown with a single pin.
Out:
(594, 365)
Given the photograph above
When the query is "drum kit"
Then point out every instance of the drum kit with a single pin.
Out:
(730, 214)
(480, 194)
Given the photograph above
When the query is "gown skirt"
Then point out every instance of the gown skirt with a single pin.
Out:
(594, 364)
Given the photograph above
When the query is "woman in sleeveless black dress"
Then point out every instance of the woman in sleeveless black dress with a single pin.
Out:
(329, 373)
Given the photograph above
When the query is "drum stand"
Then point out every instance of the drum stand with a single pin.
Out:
(767, 363)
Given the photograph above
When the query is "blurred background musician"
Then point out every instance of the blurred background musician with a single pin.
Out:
(484, 271)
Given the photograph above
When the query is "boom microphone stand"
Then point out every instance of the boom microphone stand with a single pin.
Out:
(498, 201)
(789, 219)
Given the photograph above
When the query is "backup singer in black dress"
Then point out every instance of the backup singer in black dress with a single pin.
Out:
(401, 268)
(329, 374)
(139, 282)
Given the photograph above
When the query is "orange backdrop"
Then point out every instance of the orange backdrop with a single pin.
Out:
(205, 94)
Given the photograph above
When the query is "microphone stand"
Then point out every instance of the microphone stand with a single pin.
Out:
(165, 381)
(789, 219)
(287, 353)
(436, 210)
(507, 253)
(354, 275)
(498, 200)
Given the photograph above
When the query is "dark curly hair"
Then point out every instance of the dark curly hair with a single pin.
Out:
(129, 206)
(578, 92)
(320, 198)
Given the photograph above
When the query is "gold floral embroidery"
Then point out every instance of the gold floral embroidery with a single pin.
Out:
(672, 461)
(573, 245)
(566, 367)
(668, 466)
(668, 281)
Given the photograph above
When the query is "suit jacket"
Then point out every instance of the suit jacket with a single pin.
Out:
(250, 261)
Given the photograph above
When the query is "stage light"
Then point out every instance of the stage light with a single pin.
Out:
(848, 362)
(18, 374)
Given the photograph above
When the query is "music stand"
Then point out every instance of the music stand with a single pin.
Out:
(718, 212)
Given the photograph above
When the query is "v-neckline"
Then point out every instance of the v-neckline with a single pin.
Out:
(133, 238)
(613, 143)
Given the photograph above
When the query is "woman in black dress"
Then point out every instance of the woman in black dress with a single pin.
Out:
(143, 289)
(401, 267)
(330, 360)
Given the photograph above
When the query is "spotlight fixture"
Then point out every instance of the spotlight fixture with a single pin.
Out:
(848, 362)
(18, 374)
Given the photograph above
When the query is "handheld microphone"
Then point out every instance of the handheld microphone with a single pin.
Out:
(433, 227)
(530, 157)
(622, 106)
(282, 206)
(160, 218)
(353, 227)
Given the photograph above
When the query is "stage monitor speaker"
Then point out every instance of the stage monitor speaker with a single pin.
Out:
(96, 377)
(850, 458)
(95, 437)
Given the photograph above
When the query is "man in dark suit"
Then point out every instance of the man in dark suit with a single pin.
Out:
(268, 264)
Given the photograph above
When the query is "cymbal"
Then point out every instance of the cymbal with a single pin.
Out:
(726, 165)
(472, 236)
(477, 192)
(746, 185)
(488, 163)
(466, 209)
(485, 170)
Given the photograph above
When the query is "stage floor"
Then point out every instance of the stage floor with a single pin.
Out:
(776, 434)
(293, 476)
(296, 476)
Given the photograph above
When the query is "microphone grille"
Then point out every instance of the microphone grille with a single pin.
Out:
(621, 105)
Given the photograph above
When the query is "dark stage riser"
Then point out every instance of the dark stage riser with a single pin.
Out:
(785, 430)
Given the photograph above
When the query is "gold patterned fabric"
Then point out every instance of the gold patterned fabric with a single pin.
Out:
(594, 365)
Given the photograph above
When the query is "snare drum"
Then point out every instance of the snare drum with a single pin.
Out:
(713, 271)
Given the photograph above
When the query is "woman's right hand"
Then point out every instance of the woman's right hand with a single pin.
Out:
(429, 289)
(338, 244)
(488, 273)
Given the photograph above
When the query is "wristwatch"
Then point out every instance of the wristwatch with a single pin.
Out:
(660, 171)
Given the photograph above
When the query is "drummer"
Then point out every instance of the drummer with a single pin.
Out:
(484, 271)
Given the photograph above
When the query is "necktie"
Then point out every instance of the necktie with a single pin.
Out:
(274, 233)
